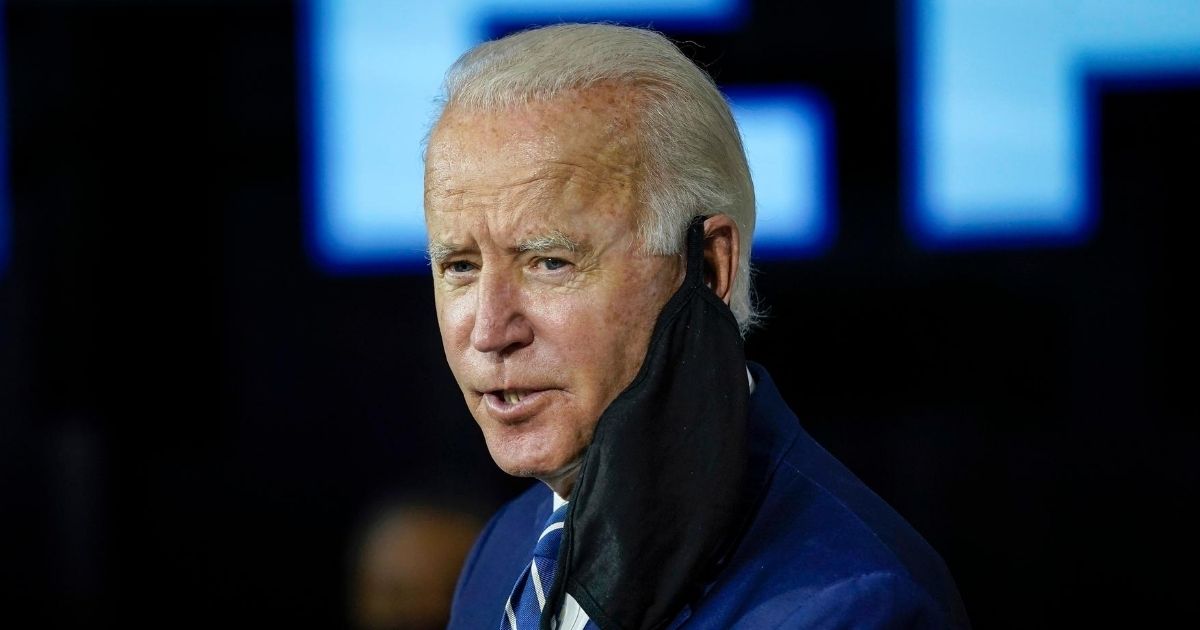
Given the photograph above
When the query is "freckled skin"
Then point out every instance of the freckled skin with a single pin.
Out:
(571, 325)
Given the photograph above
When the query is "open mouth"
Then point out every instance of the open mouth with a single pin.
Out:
(513, 404)
(510, 396)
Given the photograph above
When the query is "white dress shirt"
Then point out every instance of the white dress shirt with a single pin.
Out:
(571, 617)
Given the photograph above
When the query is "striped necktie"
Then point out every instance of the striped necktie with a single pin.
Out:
(524, 608)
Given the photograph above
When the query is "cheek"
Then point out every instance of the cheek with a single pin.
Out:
(603, 336)
(575, 327)
(636, 313)
(568, 321)
(456, 316)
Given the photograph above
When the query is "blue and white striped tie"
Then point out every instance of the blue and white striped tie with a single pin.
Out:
(524, 608)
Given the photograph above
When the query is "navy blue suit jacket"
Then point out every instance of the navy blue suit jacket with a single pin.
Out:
(823, 551)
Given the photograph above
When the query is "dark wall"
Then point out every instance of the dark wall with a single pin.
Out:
(193, 417)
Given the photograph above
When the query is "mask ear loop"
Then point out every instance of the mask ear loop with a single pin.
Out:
(694, 275)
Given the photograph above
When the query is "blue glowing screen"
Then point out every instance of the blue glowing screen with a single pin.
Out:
(374, 70)
(3, 155)
(997, 109)
(786, 136)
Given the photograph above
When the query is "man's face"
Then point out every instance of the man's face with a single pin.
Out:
(544, 298)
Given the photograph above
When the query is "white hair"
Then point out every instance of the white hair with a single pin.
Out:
(694, 161)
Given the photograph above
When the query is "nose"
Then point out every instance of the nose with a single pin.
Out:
(501, 326)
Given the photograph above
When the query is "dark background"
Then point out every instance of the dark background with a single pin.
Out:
(193, 418)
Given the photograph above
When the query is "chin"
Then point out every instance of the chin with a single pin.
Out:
(528, 458)
(544, 470)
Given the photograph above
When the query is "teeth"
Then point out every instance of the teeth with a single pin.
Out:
(512, 397)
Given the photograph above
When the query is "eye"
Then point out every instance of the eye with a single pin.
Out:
(552, 264)
(460, 267)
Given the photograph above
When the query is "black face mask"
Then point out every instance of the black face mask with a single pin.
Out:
(659, 501)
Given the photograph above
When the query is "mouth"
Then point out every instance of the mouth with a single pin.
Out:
(514, 405)
(511, 396)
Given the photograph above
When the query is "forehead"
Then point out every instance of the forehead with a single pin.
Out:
(576, 119)
(585, 135)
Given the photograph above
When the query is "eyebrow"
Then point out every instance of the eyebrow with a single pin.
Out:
(547, 242)
(438, 251)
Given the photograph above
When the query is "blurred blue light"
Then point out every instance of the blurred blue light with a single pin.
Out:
(4, 198)
(786, 135)
(703, 15)
(374, 69)
(997, 109)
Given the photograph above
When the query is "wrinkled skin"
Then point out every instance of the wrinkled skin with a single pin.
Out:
(545, 299)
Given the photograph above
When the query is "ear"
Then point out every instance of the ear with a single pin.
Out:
(721, 239)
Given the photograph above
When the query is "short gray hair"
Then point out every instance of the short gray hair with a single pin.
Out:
(695, 163)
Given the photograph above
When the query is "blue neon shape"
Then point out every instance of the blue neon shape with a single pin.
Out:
(374, 71)
(702, 15)
(996, 108)
(785, 131)
(4, 198)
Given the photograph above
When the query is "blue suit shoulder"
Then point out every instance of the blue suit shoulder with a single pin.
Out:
(823, 550)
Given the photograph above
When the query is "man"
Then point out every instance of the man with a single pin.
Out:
(589, 212)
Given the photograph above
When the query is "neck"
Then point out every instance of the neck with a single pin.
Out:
(564, 483)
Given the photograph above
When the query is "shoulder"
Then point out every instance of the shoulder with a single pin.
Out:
(876, 600)
(809, 560)
(821, 543)
(500, 553)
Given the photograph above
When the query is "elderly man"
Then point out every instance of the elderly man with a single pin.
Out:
(589, 212)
